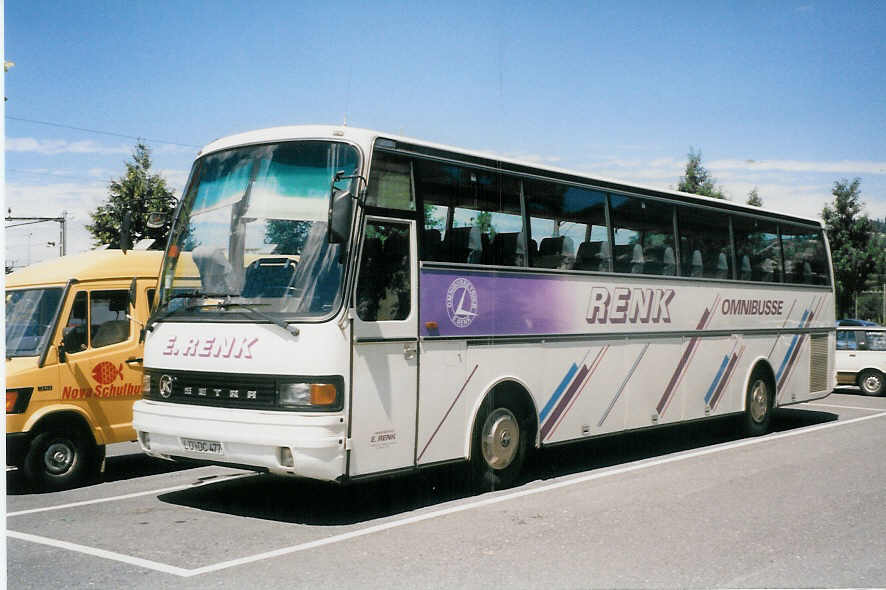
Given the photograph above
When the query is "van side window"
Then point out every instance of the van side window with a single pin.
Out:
(76, 330)
(846, 340)
(876, 340)
(108, 321)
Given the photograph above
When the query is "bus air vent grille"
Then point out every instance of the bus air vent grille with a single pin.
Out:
(818, 362)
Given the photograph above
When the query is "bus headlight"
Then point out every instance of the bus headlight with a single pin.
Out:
(316, 395)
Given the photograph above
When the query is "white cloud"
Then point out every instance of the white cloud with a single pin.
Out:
(51, 147)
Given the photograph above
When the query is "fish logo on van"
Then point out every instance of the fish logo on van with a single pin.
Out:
(105, 372)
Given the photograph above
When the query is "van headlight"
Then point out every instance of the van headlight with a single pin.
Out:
(310, 395)
(17, 399)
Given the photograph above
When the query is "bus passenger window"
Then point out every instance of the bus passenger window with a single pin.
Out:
(644, 236)
(569, 225)
(805, 257)
(383, 287)
(756, 247)
(390, 182)
(475, 214)
(705, 248)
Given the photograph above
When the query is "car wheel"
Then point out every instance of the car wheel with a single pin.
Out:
(871, 382)
(498, 448)
(62, 459)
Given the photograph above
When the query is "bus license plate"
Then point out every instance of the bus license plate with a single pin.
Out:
(208, 447)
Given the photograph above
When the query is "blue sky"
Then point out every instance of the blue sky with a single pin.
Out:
(784, 96)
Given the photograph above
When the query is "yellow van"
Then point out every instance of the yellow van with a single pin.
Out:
(74, 361)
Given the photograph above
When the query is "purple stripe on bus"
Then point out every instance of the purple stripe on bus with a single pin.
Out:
(446, 415)
(594, 366)
(663, 402)
(573, 387)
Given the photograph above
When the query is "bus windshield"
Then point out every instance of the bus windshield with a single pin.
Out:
(252, 230)
(30, 314)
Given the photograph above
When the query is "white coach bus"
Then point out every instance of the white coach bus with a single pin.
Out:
(337, 303)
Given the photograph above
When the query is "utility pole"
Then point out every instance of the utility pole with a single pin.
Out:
(62, 221)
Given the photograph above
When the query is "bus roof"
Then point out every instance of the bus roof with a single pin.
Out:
(89, 266)
(368, 136)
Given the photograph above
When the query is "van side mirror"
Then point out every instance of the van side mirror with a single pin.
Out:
(126, 231)
(156, 219)
(62, 355)
(341, 210)
(133, 292)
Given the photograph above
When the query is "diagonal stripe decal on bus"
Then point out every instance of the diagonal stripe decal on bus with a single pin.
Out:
(567, 391)
(727, 377)
(446, 415)
(683, 364)
(622, 386)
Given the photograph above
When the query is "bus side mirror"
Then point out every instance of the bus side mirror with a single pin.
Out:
(341, 210)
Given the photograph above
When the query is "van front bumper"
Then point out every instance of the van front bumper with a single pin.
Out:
(252, 438)
(17, 444)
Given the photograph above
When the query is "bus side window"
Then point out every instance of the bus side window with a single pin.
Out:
(705, 249)
(757, 250)
(383, 286)
(76, 330)
(805, 258)
(390, 182)
(569, 224)
(643, 231)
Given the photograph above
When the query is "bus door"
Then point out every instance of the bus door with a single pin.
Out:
(384, 386)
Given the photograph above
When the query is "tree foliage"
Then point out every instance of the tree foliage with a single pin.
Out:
(853, 252)
(697, 180)
(754, 198)
(289, 236)
(140, 192)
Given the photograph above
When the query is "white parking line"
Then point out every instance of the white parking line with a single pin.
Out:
(138, 561)
(487, 501)
(199, 483)
(845, 407)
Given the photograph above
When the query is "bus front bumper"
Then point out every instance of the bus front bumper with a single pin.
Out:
(286, 443)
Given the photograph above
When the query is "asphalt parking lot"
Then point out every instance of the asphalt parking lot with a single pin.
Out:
(687, 506)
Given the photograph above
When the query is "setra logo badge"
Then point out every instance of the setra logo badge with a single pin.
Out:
(461, 302)
(166, 386)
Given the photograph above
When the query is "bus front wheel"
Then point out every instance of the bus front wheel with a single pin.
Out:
(499, 445)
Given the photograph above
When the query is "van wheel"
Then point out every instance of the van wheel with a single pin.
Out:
(758, 404)
(871, 382)
(498, 446)
(62, 459)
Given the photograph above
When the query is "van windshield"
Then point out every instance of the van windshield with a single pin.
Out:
(30, 314)
(252, 231)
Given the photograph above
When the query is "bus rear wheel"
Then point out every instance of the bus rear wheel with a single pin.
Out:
(499, 445)
(758, 404)
(60, 459)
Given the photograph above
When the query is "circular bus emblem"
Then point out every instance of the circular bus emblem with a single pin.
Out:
(461, 302)
(166, 386)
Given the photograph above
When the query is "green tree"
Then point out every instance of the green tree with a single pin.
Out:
(697, 180)
(289, 236)
(852, 249)
(754, 199)
(140, 192)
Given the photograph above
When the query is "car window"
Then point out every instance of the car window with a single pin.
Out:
(846, 340)
(876, 340)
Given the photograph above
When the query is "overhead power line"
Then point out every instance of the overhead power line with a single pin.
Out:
(50, 124)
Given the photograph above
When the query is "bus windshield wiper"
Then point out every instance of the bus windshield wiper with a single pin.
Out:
(149, 325)
(276, 321)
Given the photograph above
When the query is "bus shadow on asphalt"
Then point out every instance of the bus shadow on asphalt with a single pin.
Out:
(117, 468)
(323, 504)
